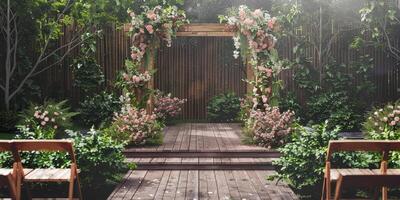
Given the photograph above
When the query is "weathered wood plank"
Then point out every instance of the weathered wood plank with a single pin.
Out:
(172, 185)
(150, 185)
(192, 188)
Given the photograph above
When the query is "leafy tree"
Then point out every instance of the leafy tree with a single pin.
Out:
(32, 29)
(380, 19)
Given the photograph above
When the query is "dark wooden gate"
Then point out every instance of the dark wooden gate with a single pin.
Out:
(198, 68)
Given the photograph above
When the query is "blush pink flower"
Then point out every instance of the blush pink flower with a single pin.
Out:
(134, 56)
(258, 13)
(149, 28)
(249, 22)
(151, 15)
(271, 23)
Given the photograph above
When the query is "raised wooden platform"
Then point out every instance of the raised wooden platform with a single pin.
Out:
(196, 146)
(201, 161)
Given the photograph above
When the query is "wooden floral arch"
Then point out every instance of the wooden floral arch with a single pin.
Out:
(201, 30)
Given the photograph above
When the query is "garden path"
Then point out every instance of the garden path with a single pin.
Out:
(201, 161)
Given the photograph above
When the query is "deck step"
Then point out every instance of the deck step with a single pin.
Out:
(203, 163)
(202, 154)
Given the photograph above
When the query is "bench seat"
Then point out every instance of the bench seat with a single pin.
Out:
(354, 171)
(48, 175)
(6, 171)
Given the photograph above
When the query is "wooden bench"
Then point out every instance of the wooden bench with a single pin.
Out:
(8, 175)
(382, 177)
(18, 173)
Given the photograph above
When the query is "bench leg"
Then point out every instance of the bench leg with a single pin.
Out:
(71, 189)
(323, 189)
(338, 188)
(384, 193)
(12, 188)
(78, 182)
(328, 189)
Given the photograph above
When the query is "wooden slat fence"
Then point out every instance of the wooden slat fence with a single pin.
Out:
(201, 67)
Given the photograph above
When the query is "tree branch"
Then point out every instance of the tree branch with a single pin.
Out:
(39, 60)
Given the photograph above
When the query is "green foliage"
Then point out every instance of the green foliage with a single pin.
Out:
(223, 107)
(99, 109)
(8, 120)
(50, 115)
(99, 158)
(332, 99)
(380, 21)
(303, 159)
(290, 102)
(88, 75)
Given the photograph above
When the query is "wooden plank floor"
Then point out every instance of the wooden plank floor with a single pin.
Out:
(201, 184)
(201, 161)
(217, 137)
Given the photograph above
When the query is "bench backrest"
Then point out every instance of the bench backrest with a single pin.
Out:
(5, 145)
(382, 146)
(45, 145)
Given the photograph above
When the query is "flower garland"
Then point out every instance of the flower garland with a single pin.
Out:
(148, 30)
(254, 39)
(153, 26)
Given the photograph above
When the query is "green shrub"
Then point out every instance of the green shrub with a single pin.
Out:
(8, 120)
(99, 158)
(50, 115)
(337, 108)
(384, 124)
(303, 159)
(224, 107)
(386, 119)
(99, 109)
(88, 75)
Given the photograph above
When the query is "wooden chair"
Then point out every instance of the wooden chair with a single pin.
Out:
(8, 176)
(382, 177)
(50, 175)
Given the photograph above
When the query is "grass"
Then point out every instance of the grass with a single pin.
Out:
(6, 136)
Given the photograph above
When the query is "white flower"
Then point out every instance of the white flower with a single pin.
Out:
(232, 20)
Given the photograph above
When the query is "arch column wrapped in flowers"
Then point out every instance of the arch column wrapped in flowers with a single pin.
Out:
(255, 42)
(148, 30)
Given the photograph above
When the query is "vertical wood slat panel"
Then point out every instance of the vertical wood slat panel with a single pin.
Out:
(199, 73)
(196, 68)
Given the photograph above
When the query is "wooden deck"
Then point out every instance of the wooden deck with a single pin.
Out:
(201, 161)
(200, 184)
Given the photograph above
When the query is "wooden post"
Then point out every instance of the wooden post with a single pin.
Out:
(150, 85)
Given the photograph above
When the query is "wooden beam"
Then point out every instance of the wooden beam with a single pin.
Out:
(203, 27)
(200, 30)
(204, 34)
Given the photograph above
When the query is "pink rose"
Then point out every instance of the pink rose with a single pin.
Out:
(248, 22)
(151, 15)
(43, 123)
(271, 23)
(258, 13)
(242, 14)
(134, 56)
(392, 123)
(149, 28)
